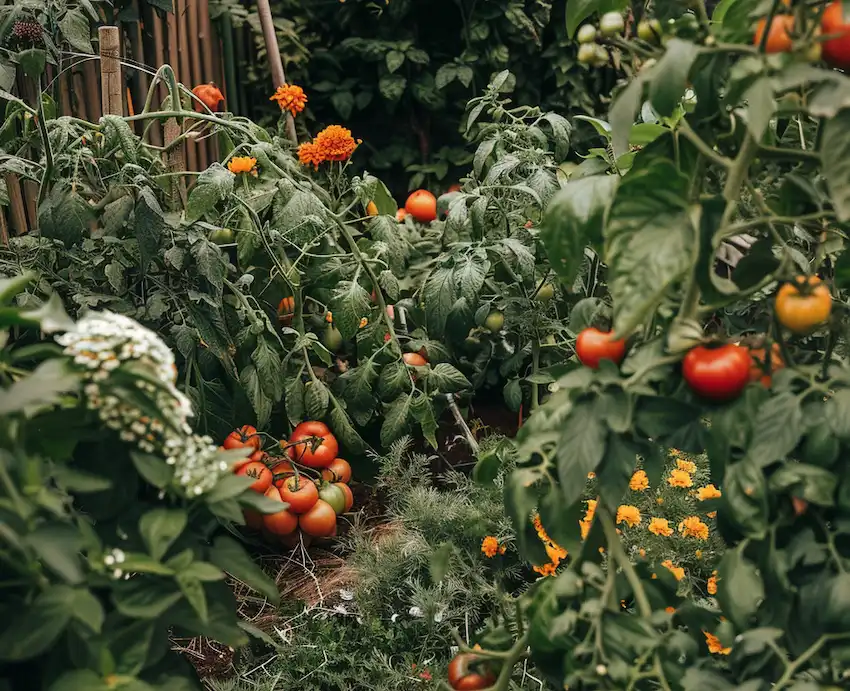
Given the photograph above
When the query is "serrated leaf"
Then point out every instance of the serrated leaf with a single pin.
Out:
(210, 262)
(149, 226)
(670, 76)
(439, 295)
(344, 431)
(316, 399)
(447, 378)
(394, 379)
(470, 272)
(396, 419)
(357, 392)
(351, 302)
(214, 185)
(75, 30)
(294, 397)
(580, 449)
(423, 412)
(267, 361)
(175, 256)
(835, 154)
(262, 404)
(389, 284)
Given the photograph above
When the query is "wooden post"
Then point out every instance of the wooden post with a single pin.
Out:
(176, 163)
(111, 95)
(275, 62)
(17, 207)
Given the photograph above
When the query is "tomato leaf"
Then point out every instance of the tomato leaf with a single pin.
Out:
(835, 154)
(580, 449)
(777, 428)
(670, 76)
(745, 496)
(230, 556)
(740, 589)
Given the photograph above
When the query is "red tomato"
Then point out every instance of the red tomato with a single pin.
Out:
(210, 95)
(242, 437)
(836, 51)
(284, 469)
(300, 493)
(455, 188)
(286, 311)
(338, 471)
(414, 360)
(261, 474)
(349, 496)
(281, 523)
(759, 370)
(319, 521)
(256, 457)
(422, 205)
(593, 346)
(718, 374)
(779, 38)
(400, 215)
(308, 452)
(467, 674)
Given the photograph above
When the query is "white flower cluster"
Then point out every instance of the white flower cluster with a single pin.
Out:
(102, 342)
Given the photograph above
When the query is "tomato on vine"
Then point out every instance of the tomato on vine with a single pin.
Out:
(759, 370)
(300, 493)
(836, 51)
(593, 346)
(245, 436)
(261, 474)
(467, 673)
(414, 360)
(338, 471)
(717, 373)
(546, 292)
(494, 322)
(281, 471)
(349, 495)
(319, 521)
(803, 305)
(222, 236)
(422, 205)
(313, 445)
(779, 36)
(283, 522)
(334, 496)
(286, 310)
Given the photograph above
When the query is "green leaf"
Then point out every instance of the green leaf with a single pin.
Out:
(153, 469)
(439, 296)
(760, 106)
(579, 10)
(670, 76)
(650, 241)
(438, 564)
(268, 364)
(316, 399)
(351, 302)
(835, 155)
(745, 496)
(344, 431)
(520, 496)
(447, 378)
(145, 598)
(214, 185)
(423, 412)
(64, 215)
(575, 219)
(809, 482)
(11, 287)
(512, 393)
(393, 380)
(80, 680)
(777, 429)
(32, 61)
(394, 60)
(44, 387)
(740, 589)
(150, 226)
(50, 317)
(357, 392)
(253, 387)
(159, 529)
(294, 396)
(88, 610)
(469, 274)
(622, 115)
(75, 30)
(396, 419)
(392, 86)
(79, 481)
(35, 627)
(211, 262)
(580, 449)
(229, 486)
(58, 547)
(389, 284)
(616, 470)
(193, 591)
(445, 75)
(230, 556)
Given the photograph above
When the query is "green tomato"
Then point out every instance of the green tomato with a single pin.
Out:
(649, 30)
(546, 292)
(600, 57)
(334, 496)
(332, 338)
(494, 322)
(587, 53)
(611, 24)
(586, 34)
(222, 236)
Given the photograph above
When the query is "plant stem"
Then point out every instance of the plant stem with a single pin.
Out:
(810, 652)
(702, 146)
(467, 433)
(48, 151)
(535, 366)
(619, 556)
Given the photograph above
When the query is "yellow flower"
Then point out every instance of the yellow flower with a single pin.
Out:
(675, 452)
(591, 510)
(290, 97)
(242, 164)
(642, 552)
(591, 475)
(692, 526)
(629, 515)
(708, 492)
(679, 478)
(585, 528)
(698, 554)
(677, 571)
(714, 645)
(659, 501)
(711, 586)
(687, 466)
(363, 322)
(660, 526)
(712, 514)
(639, 481)
(490, 547)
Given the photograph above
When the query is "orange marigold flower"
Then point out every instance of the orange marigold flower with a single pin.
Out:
(711, 586)
(692, 526)
(670, 610)
(687, 466)
(591, 475)
(242, 164)
(591, 510)
(660, 526)
(677, 571)
(642, 552)
(546, 569)
(675, 452)
(290, 97)
(639, 481)
(679, 478)
(714, 644)
(659, 501)
(708, 492)
(308, 154)
(698, 554)
(629, 515)
(585, 528)
(335, 143)
(363, 322)
(490, 546)
(712, 514)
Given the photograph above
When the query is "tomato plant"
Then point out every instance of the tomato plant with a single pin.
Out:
(245, 436)
(312, 444)
(339, 470)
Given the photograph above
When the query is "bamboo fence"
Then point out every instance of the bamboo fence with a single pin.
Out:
(187, 39)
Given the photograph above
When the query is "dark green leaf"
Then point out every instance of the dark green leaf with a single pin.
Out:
(36, 626)
(152, 469)
(777, 429)
(58, 547)
(159, 529)
(670, 76)
(745, 496)
(230, 556)
(396, 419)
(580, 449)
(214, 185)
(740, 590)
(835, 154)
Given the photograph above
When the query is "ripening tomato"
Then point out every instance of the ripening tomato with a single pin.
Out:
(244, 436)
(300, 493)
(283, 522)
(759, 370)
(282, 470)
(803, 305)
(454, 188)
(836, 51)
(334, 496)
(258, 456)
(422, 205)
(719, 373)
(338, 471)
(779, 36)
(593, 346)
(319, 521)
(466, 673)
(546, 292)
(371, 209)
(261, 474)
(414, 360)
(210, 96)
(400, 215)
(494, 322)
(286, 310)
(315, 446)
(349, 495)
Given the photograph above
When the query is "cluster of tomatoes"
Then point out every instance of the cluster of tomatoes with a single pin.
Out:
(719, 372)
(312, 480)
(780, 37)
(469, 672)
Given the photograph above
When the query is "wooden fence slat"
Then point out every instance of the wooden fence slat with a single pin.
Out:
(112, 97)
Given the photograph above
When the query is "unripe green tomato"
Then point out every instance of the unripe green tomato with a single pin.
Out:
(332, 338)
(494, 322)
(334, 496)
(813, 52)
(587, 53)
(546, 292)
(601, 57)
(222, 236)
(649, 30)
(687, 26)
(611, 24)
(586, 34)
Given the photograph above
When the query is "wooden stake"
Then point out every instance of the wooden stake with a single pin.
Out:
(275, 62)
(111, 94)
(176, 163)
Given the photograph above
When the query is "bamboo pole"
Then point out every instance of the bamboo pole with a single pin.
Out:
(111, 96)
(275, 61)
(176, 163)
(17, 208)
